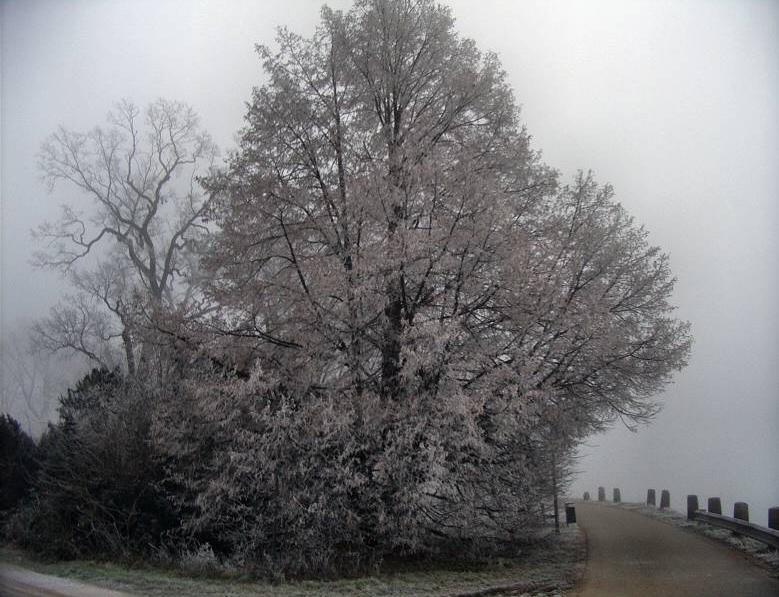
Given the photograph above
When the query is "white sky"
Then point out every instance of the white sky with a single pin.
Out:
(674, 102)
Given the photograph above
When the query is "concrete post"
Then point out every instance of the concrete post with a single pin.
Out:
(715, 505)
(741, 511)
(617, 497)
(650, 498)
(586, 496)
(601, 494)
(570, 514)
(773, 518)
(692, 506)
(665, 499)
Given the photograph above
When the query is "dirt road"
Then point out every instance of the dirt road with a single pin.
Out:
(630, 554)
(18, 582)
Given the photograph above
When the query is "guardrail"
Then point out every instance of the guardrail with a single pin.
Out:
(739, 523)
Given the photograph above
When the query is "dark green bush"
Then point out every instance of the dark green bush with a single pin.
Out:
(96, 492)
(17, 464)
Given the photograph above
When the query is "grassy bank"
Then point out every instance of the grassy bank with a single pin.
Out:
(550, 566)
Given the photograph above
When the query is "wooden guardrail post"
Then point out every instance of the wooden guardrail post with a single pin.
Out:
(715, 505)
(617, 497)
(601, 494)
(586, 496)
(741, 511)
(650, 498)
(692, 506)
(773, 518)
(665, 499)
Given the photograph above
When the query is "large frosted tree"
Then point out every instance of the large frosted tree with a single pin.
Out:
(373, 194)
(385, 226)
(428, 319)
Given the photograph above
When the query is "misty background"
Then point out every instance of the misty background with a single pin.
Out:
(674, 103)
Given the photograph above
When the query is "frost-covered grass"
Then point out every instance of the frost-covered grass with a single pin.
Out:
(551, 567)
(757, 550)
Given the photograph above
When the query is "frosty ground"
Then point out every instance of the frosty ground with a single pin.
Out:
(551, 567)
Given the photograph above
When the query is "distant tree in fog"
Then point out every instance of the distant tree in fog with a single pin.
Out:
(32, 380)
(131, 253)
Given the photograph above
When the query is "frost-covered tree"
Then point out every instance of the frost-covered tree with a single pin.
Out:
(428, 320)
(380, 177)
(130, 254)
(385, 226)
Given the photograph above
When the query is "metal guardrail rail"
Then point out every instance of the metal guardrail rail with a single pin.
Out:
(738, 524)
(749, 529)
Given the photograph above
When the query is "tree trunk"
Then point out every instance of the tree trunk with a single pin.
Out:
(554, 496)
(393, 309)
(129, 353)
(390, 350)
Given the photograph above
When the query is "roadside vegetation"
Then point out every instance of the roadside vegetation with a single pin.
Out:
(550, 566)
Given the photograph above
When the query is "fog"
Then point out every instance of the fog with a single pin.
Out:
(674, 103)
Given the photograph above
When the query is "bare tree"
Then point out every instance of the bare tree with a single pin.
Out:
(140, 175)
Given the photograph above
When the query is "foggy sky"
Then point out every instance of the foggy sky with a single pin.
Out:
(673, 102)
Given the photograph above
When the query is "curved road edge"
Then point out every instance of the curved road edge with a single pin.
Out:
(723, 536)
(20, 582)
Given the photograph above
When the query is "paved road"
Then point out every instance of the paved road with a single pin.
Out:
(630, 554)
(18, 582)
